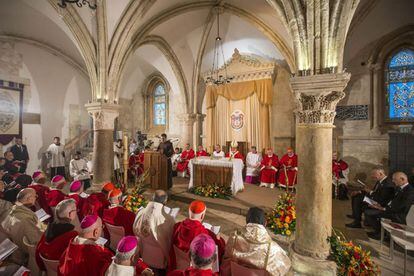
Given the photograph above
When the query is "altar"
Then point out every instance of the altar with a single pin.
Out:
(205, 170)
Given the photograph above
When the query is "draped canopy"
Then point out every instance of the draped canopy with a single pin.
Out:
(253, 98)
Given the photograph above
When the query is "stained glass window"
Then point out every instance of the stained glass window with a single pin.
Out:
(400, 86)
(159, 105)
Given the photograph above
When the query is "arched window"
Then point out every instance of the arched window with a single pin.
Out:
(159, 105)
(399, 82)
(156, 104)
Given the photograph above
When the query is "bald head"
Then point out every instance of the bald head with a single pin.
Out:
(27, 197)
(160, 196)
(399, 179)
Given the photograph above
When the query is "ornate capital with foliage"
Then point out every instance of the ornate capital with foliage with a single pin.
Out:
(317, 97)
(103, 114)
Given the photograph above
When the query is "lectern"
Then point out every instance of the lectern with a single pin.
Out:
(156, 164)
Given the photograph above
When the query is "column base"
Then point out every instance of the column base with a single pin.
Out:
(304, 265)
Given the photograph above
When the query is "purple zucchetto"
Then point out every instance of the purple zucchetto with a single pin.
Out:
(88, 221)
(127, 244)
(203, 246)
(75, 186)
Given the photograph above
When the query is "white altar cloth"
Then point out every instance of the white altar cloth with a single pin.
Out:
(236, 164)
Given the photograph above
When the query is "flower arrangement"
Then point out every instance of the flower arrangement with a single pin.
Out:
(135, 200)
(282, 219)
(213, 191)
(351, 259)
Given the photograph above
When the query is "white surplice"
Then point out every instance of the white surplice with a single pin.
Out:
(253, 163)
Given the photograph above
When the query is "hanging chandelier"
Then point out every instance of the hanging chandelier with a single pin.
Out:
(79, 3)
(217, 76)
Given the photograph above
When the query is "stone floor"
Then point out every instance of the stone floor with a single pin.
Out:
(230, 215)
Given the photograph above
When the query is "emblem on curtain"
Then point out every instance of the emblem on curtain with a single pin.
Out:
(237, 120)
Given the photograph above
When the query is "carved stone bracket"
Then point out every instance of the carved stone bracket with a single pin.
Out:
(317, 97)
(187, 119)
(103, 114)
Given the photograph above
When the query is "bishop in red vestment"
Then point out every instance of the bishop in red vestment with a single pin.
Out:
(203, 255)
(39, 185)
(268, 170)
(76, 188)
(185, 231)
(201, 151)
(186, 156)
(83, 256)
(58, 234)
(97, 202)
(117, 215)
(338, 167)
(289, 161)
(55, 194)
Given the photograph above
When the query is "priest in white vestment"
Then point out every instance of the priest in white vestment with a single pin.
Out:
(253, 161)
(217, 153)
(153, 223)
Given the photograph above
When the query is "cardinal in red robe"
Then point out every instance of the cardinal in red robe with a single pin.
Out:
(95, 203)
(83, 256)
(117, 215)
(185, 231)
(55, 194)
(42, 190)
(290, 162)
(202, 254)
(201, 151)
(136, 164)
(269, 168)
(186, 156)
(339, 167)
(234, 152)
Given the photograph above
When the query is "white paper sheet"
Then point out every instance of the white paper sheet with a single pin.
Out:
(42, 215)
(7, 247)
(214, 229)
(83, 195)
(172, 211)
(21, 271)
(369, 201)
(101, 241)
(362, 183)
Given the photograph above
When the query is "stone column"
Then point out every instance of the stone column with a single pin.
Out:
(187, 122)
(317, 97)
(103, 115)
(199, 118)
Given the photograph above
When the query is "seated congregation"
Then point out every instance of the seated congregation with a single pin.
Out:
(93, 234)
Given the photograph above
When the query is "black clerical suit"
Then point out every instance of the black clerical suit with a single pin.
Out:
(382, 193)
(396, 209)
(20, 154)
(168, 150)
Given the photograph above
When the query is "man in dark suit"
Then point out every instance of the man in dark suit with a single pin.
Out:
(166, 148)
(396, 209)
(20, 154)
(382, 193)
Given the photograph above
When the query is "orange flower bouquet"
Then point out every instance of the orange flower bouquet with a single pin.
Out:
(135, 200)
(282, 219)
(351, 259)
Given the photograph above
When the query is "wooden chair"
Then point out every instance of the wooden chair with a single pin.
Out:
(182, 259)
(238, 269)
(116, 233)
(152, 253)
(32, 265)
(51, 266)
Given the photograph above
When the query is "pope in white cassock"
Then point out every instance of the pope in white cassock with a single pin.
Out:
(253, 161)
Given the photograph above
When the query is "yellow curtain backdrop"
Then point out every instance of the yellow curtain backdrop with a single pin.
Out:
(253, 98)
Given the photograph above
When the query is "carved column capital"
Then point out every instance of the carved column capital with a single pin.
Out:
(187, 119)
(103, 114)
(317, 97)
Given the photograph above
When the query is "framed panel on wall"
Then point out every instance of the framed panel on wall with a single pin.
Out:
(11, 111)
